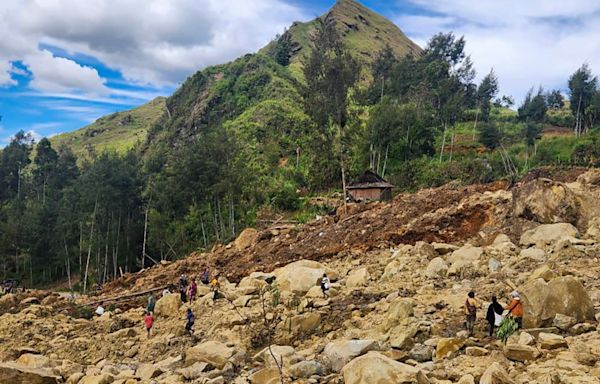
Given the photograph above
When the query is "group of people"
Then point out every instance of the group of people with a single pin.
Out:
(187, 292)
(495, 312)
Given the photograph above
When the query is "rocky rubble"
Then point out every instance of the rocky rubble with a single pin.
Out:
(394, 315)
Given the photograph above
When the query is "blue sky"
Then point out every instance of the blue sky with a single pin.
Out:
(68, 62)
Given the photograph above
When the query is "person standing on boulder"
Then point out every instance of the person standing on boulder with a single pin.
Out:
(515, 308)
(193, 290)
(214, 286)
(151, 303)
(325, 285)
(204, 276)
(190, 319)
(494, 314)
(183, 287)
(471, 305)
(149, 321)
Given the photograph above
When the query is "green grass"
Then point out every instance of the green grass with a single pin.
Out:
(118, 132)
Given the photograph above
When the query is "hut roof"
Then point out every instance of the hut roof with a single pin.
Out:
(369, 179)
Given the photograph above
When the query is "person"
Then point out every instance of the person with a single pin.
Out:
(494, 314)
(471, 312)
(149, 321)
(325, 285)
(193, 290)
(165, 292)
(183, 287)
(151, 303)
(214, 286)
(515, 308)
(100, 310)
(204, 277)
(190, 319)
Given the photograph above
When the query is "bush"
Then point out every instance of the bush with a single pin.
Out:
(286, 198)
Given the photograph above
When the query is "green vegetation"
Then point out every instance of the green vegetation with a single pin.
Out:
(118, 132)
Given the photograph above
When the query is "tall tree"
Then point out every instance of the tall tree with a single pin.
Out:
(582, 86)
(382, 67)
(533, 108)
(330, 73)
(487, 90)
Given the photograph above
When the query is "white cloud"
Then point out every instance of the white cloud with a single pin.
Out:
(153, 42)
(528, 43)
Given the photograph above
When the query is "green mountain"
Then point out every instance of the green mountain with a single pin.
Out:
(117, 132)
(248, 86)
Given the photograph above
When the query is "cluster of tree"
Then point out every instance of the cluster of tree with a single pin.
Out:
(585, 99)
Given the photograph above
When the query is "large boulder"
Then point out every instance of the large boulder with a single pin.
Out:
(338, 353)
(400, 310)
(436, 268)
(246, 239)
(31, 360)
(357, 278)
(495, 374)
(306, 369)
(168, 305)
(546, 202)
(547, 234)
(213, 352)
(278, 353)
(447, 346)
(17, 374)
(375, 368)
(304, 324)
(302, 275)
(103, 378)
(563, 295)
(7, 302)
(269, 375)
(463, 259)
(519, 352)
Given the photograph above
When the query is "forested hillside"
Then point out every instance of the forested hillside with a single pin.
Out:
(254, 139)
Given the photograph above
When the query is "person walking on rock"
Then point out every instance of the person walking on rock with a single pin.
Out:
(214, 286)
(204, 277)
(494, 314)
(515, 308)
(183, 283)
(193, 290)
(151, 303)
(190, 319)
(471, 305)
(325, 285)
(149, 321)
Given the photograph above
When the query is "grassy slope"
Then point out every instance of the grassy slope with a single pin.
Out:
(117, 132)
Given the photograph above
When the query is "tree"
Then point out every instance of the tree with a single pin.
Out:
(532, 132)
(490, 136)
(282, 50)
(555, 100)
(582, 86)
(487, 90)
(330, 73)
(533, 108)
(13, 160)
(383, 65)
(46, 162)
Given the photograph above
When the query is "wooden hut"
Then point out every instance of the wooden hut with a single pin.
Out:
(370, 186)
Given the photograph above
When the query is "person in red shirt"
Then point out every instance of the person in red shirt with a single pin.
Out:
(149, 321)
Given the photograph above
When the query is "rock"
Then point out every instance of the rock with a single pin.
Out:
(443, 248)
(494, 265)
(543, 300)
(103, 378)
(12, 373)
(563, 322)
(522, 353)
(447, 346)
(29, 301)
(402, 336)
(374, 368)
(400, 309)
(75, 378)
(339, 352)
(546, 234)
(33, 361)
(213, 352)
(579, 329)
(305, 323)
(425, 250)
(543, 272)
(280, 353)
(463, 259)
(167, 306)
(242, 301)
(302, 275)
(194, 371)
(7, 301)
(247, 238)
(357, 278)
(476, 351)
(495, 374)
(526, 339)
(546, 201)
(265, 376)
(533, 253)
(421, 353)
(146, 371)
(466, 379)
(436, 268)
(306, 369)
(552, 341)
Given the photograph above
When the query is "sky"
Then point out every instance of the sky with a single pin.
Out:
(64, 63)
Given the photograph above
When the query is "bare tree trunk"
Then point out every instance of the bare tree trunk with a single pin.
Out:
(145, 235)
(116, 248)
(80, 248)
(385, 160)
(67, 263)
(105, 274)
(343, 168)
(475, 124)
(203, 232)
(443, 143)
(452, 141)
(89, 254)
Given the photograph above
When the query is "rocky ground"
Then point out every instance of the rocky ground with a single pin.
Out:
(400, 273)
